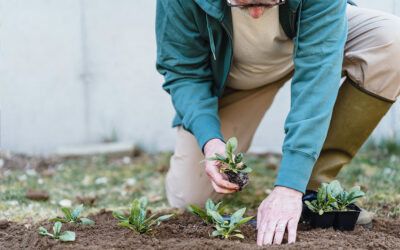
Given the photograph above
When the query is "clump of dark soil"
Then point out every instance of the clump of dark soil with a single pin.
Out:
(241, 179)
(37, 194)
(188, 232)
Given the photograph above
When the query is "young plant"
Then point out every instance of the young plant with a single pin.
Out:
(344, 199)
(137, 220)
(71, 216)
(325, 202)
(332, 197)
(231, 163)
(65, 236)
(228, 229)
(210, 206)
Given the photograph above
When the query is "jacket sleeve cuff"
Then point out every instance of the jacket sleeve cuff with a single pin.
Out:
(205, 128)
(295, 170)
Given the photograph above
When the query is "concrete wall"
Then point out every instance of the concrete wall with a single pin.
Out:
(81, 71)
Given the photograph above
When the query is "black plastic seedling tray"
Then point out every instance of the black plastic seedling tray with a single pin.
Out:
(343, 220)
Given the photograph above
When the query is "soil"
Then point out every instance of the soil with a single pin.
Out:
(241, 179)
(186, 231)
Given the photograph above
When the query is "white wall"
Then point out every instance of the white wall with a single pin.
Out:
(72, 72)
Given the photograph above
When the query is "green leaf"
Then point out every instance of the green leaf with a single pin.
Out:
(119, 215)
(244, 220)
(217, 206)
(321, 212)
(149, 219)
(67, 236)
(43, 231)
(235, 218)
(58, 219)
(209, 159)
(197, 211)
(246, 170)
(87, 222)
(221, 158)
(142, 216)
(217, 217)
(126, 224)
(222, 209)
(77, 211)
(67, 213)
(310, 205)
(164, 217)
(143, 202)
(57, 228)
(238, 158)
(239, 236)
(233, 144)
(135, 209)
(210, 204)
(217, 233)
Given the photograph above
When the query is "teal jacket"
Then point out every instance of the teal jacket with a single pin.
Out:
(194, 53)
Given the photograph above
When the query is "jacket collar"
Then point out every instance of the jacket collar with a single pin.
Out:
(213, 8)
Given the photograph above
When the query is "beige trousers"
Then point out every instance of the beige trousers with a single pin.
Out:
(372, 59)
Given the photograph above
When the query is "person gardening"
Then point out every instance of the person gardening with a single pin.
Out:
(224, 61)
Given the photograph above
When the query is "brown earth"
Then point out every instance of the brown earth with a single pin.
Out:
(188, 232)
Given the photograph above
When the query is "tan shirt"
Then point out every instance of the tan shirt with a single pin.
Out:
(262, 53)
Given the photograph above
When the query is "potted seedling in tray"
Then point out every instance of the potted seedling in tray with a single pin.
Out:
(333, 206)
(233, 165)
(320, 210)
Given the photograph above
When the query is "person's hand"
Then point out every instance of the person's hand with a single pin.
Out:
(280, 210)
(219, 180)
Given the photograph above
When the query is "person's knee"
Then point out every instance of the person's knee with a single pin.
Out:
(388, 38)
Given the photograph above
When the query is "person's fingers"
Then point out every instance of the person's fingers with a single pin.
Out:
(262, 227)
(279, 232)
(222, 190)
(216, 176)
(269, 232)
(292, 230)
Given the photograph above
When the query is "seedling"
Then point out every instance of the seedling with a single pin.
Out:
(65, 236)
(332, 197)
(210, 206)
(137, 220)
(230, 162)
(71, 216)
(233, 166)
(226, 229)
(344, 199)
(325, 202)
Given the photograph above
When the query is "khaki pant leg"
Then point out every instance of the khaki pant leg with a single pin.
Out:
(372, 52)
(240, 113)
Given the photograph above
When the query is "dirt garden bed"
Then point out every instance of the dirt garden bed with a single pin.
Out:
(188, 232)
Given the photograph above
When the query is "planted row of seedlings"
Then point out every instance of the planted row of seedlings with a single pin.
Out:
(138, 221)
(225, 226)
(331, 206)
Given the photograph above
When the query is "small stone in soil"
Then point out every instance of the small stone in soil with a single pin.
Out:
(4, 224)
(37, 195)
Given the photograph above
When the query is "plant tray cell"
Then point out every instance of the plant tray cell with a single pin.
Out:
(343, 220)
(346, 220)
